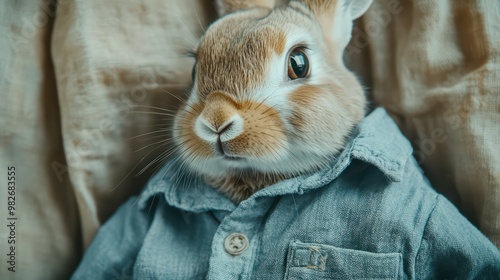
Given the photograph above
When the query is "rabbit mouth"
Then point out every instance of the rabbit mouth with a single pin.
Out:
(233, 158)
(222, 149)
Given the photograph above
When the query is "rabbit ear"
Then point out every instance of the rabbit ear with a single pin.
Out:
(227, 6)
(358, 7)
(336, 16)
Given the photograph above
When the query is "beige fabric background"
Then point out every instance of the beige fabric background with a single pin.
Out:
(435, 65)
(76, 88)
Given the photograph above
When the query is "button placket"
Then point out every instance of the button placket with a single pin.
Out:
(236, 243)
(244, 221)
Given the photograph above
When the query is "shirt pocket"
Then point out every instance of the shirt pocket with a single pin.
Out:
(319, 261)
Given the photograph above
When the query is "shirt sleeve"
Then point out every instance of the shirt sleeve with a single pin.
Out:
(113, 251)
(453, 248)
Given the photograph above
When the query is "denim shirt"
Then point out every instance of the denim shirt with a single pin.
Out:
(371, 214)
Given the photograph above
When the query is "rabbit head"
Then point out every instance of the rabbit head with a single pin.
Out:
(271, 96)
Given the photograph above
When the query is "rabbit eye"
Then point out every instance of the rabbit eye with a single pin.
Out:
(298, 64)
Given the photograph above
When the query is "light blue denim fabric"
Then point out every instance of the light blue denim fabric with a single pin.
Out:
(370, 215)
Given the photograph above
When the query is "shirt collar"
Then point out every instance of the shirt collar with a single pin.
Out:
(376, 140)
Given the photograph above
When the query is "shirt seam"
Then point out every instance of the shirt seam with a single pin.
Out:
(437, 199)
(250, 269)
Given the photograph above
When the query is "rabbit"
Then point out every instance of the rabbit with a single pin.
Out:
(271, 97)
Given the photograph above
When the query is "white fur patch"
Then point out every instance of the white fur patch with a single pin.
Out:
(232, 128)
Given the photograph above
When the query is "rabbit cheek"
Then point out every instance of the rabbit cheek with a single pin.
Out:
(303, 101)
(319, 118)
(187, 139)
(264, 131)
(263, 134)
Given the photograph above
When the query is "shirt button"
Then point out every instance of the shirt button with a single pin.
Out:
(236, 243)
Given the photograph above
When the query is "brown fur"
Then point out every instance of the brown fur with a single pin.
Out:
(191, 142)
(244, 46)
(262, 125)
(240, 186)
(233, 60)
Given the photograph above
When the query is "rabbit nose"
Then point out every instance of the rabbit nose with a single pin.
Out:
(216, 133)
(224, 128)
